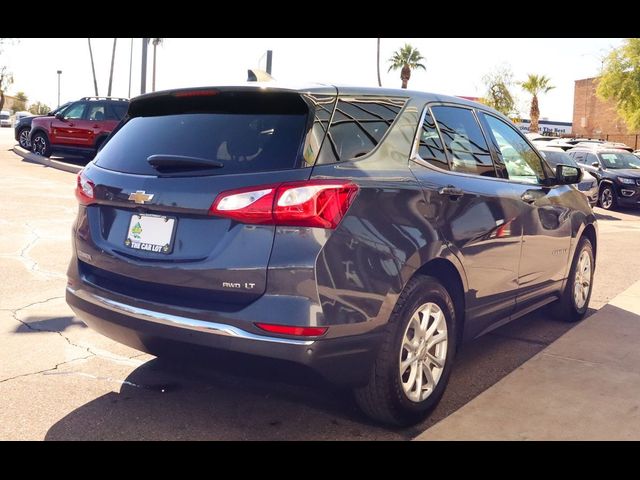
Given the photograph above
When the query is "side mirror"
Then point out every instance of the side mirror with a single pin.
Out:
(49, 114)
(567, 175)
(60, 116)
(595, 165)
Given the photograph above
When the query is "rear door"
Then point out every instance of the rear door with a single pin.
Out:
(151, 235)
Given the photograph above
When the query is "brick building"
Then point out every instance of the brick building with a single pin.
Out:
(595, 118)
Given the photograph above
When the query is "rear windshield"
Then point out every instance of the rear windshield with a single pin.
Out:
(242, 140)
(4, 116)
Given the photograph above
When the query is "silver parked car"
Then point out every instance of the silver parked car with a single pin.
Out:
(588, 185)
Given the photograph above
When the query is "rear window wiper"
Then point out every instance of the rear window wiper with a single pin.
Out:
(182, 161)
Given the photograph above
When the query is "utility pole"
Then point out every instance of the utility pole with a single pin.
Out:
(143, 76)
(130, 66)
(59, 73)
(269, 60)
(113, 57)
(93, 68)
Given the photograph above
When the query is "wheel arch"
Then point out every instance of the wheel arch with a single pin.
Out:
(448, 273)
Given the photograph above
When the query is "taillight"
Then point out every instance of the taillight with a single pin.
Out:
(85, 189)
(315, 203)
(289, 330)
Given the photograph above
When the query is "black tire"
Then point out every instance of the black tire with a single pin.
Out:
(23, 138)
(40, 144)
(565, 308)
(383, 398)
(607, 197)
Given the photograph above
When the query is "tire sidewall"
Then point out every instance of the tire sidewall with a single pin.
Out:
(428, 291)
(584, 244)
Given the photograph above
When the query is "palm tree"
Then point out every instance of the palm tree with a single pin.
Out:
(156, 42)
(535, 85)
(113, 57)
(378, 64)
(93, 68)
(406, 59)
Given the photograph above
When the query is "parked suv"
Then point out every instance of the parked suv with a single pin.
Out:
(617, 172)
(362, 232)
(78, 129)
(23, 126)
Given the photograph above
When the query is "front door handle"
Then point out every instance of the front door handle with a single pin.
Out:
(451, 191)
(96, 126)
(528, 197)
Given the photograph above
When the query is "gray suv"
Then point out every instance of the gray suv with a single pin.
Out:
(362, 232)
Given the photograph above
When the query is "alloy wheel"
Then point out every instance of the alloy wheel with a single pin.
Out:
(582, 282)
(606, 198)
(39, 145)
(423, 352)
(23, 139)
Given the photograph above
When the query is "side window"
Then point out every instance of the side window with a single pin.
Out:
(464, 141)
(96, 112)
(521, 161)
(358, 126)
(578, 156)
(75, 111)
(430, 147)
(590, 158)
(116, 110)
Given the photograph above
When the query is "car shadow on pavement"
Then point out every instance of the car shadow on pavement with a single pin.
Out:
(36, 323)
(235, 397)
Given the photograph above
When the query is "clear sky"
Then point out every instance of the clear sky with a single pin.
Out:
(454, 66)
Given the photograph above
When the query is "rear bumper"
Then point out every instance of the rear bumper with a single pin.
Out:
(343, 360)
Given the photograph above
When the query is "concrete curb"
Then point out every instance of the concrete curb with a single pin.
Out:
(583, 386)
(47, 162)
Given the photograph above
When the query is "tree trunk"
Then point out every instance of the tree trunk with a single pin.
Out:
(93, 69)
(535, 115)
(1, 99)
(153, 81)
(378, 64)
(113, 57)
(405, 75)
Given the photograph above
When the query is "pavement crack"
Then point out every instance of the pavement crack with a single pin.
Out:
(44, 372)
(14, 314)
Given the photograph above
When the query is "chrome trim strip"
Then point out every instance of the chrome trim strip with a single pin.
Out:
(180, 322)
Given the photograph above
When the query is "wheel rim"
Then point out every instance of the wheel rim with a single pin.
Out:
(582, 282)
(39, 145)
(606, 199)
(423, 352)
(24, 139)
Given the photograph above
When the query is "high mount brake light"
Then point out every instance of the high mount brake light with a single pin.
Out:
(313, 203)
(196, 93)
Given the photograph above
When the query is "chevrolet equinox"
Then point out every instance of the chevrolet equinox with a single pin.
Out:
(365, 233)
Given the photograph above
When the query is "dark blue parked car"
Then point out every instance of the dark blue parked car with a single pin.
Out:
(362, 232)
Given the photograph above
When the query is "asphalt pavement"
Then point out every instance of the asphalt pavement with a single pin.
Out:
(61, 381)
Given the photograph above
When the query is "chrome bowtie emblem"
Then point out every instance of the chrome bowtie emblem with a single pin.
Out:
(139, 196)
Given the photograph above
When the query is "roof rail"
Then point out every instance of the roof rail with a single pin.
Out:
(106, 98)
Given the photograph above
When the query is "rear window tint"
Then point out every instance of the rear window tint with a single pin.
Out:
(358, 126)
(241, 136)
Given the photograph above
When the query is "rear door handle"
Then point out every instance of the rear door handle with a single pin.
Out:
(451, 191)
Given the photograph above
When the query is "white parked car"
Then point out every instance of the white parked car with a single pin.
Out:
(22, 114)
(5, 119)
